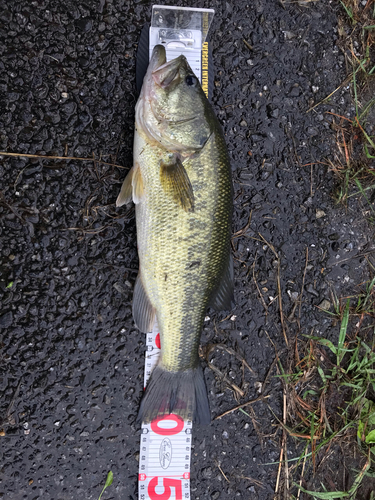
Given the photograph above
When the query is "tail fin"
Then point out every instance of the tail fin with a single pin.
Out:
(183, 393)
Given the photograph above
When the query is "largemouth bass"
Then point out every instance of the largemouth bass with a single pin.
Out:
(181, 185)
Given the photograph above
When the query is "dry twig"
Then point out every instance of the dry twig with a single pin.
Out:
(252, 401)
(278, 287)
(45, 157)
(221, 470)
(260, 293)
(302, 473)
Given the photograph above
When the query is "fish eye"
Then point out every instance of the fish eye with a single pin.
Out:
(191, 80)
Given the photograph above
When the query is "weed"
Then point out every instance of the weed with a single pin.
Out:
(332, 388)
(355, 142)
(330, 495)
(349, 11)
(108, 482)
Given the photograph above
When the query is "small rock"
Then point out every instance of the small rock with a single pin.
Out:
(265, 175)
(83, 61)
(106, 88)
(325, 305)
(312, 131)
(119, 288)
(247, 176)
(289, 35)
(295, 92)
(320, 213)
(84, 25)
(293, 295)
(312, 290)
(258, 386)
(6, 320)
(243, 123)
(256, 199)
(334, 236)
(215, 495)
(207, 473)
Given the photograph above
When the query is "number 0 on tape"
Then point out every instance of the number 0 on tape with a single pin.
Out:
(164, 460)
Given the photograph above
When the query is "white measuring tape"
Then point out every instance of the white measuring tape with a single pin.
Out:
(164, 459)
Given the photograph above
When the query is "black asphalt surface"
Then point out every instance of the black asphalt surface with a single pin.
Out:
(72, 360)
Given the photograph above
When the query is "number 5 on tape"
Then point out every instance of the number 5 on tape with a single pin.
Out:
(164, 459)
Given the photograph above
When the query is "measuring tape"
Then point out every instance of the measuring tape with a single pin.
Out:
(164, 459)
(165, 451)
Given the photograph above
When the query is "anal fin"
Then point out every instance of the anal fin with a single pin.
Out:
(143, 312)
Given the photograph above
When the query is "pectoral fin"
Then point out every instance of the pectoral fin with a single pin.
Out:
(132, 187)
(175, 181)
(222, 299)
(137, 182)
(143, 312)
(125, 195)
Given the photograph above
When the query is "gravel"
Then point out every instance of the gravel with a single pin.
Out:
(72, 361)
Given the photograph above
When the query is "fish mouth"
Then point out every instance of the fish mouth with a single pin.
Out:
(169, 72)
(158, 58)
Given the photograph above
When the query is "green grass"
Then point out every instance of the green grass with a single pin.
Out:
(329, 391)
(108, 482)
(356, 170)
(330, 495)
(349, 12)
